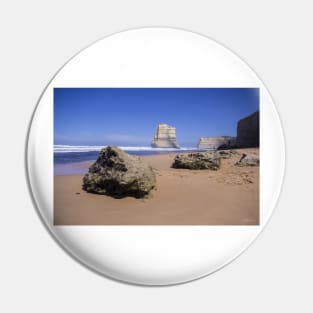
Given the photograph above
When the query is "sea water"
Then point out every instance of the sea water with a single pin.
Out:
(68, 159)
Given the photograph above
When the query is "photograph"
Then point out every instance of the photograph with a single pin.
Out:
(156, 156)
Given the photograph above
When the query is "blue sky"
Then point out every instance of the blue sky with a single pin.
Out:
(129, 116)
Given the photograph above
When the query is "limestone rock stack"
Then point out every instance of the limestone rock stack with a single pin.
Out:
(215, 142)
(165, 137)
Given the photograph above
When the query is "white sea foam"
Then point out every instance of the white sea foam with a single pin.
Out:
(68, 148)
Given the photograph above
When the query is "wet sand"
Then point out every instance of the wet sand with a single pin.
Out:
(229, 196)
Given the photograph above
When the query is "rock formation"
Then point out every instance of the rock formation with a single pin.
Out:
(197, 161)
(165, 137)
(222, 154)
(248, 131)
(119, 174)
(215, 142)
(248, 160)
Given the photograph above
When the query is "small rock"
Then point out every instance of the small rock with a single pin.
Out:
(225, 154)
(222, 154)
(248, 160)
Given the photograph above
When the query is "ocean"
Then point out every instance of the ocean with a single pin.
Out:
(67, 158)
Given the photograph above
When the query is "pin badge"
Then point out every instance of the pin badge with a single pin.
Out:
(155, 156)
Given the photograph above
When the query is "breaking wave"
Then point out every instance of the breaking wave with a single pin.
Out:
(68, 148)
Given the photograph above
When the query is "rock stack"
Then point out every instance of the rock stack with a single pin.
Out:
(165, 137)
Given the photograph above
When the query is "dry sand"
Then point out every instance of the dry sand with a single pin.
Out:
(229, 196)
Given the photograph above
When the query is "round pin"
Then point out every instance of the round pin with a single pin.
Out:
(155, 156)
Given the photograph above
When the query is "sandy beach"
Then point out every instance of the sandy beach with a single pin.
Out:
(229, 196)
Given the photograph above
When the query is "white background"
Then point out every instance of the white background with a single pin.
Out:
(37, 37)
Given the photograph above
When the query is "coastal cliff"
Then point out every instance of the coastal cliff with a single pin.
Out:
(248, 131)
(215, 142)
(165, 137)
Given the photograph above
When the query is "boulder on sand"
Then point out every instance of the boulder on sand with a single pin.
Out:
(222, 154)
(248, 160)
(118, 174)
(197, 161)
